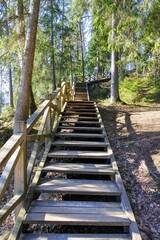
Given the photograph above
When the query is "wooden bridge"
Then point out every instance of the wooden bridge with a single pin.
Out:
(75, 191)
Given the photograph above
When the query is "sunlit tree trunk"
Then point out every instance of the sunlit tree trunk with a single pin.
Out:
(10, 87)
(21, 48)
(82, 51)
(22, 109)
(114, 66)
(53, 52)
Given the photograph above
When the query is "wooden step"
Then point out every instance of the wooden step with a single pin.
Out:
(82, 99)
(89, 204)
(79, 168)
(80, 154)
(82, 118)
(81, 107)
(80, 122)
(80, 110)
(79, 113)
(76, 216)
(105, 219)
(80, 135)
(87, 102)
(80, 187)
(53, 236)
(93, 129)
(79, 144)
(80, 103)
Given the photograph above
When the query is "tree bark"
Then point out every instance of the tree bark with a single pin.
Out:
(32, 104)
(53, 54)
(22, 109)
(82, 51)
(114, 66)
(10, 87)
(21, 32)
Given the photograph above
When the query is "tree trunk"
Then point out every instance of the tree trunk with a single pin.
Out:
(21, 32)
(32, 106)
(82, 50)
(114, 66)
(22, 109)
(53, 54)
(10, 87)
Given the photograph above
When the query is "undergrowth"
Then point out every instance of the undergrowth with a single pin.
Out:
(132, 90)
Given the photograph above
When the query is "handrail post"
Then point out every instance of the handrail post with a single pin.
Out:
(20, 173)
(48, 127)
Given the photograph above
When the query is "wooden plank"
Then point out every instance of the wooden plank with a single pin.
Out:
(79, 143)
(10, 206)
(85, 102)
(80, 154)
(99, 169)
(8, 172)
(80, 110)
(109, 219)
(81, 117)
(9, 147)
(79, 135)
(75, 210)
(36, 115)
(80, 122)
(83, 204)
(52, 236)
(116, 211)
(78, 107)
(76, 186)
(93, 129)
(79, 113)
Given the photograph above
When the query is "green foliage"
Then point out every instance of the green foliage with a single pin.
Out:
(139, 90)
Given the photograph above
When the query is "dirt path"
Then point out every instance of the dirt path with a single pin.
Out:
(135, 138)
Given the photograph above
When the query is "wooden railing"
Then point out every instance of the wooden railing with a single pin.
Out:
(15, 166)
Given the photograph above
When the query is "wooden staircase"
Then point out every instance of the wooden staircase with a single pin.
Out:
(80, 194)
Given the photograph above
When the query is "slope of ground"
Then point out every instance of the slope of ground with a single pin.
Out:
(134, 134)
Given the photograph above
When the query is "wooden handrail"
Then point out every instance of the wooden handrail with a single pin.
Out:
(14, 150)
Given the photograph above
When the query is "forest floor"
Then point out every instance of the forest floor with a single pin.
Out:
(134, 134)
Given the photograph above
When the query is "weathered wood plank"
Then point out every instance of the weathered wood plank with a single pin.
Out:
(80, 122)
(76, 210)
(80, 168)
(8, 172)
(74, 186)
(80, 135)
(52, 236)
(10, 206)
(36, 115)
(79, 143)
(80, 154)
(83, 204)
(109, 219)
(79, 113)
(9, 147)
(81, 117)
(92, 107)
(81, 128)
